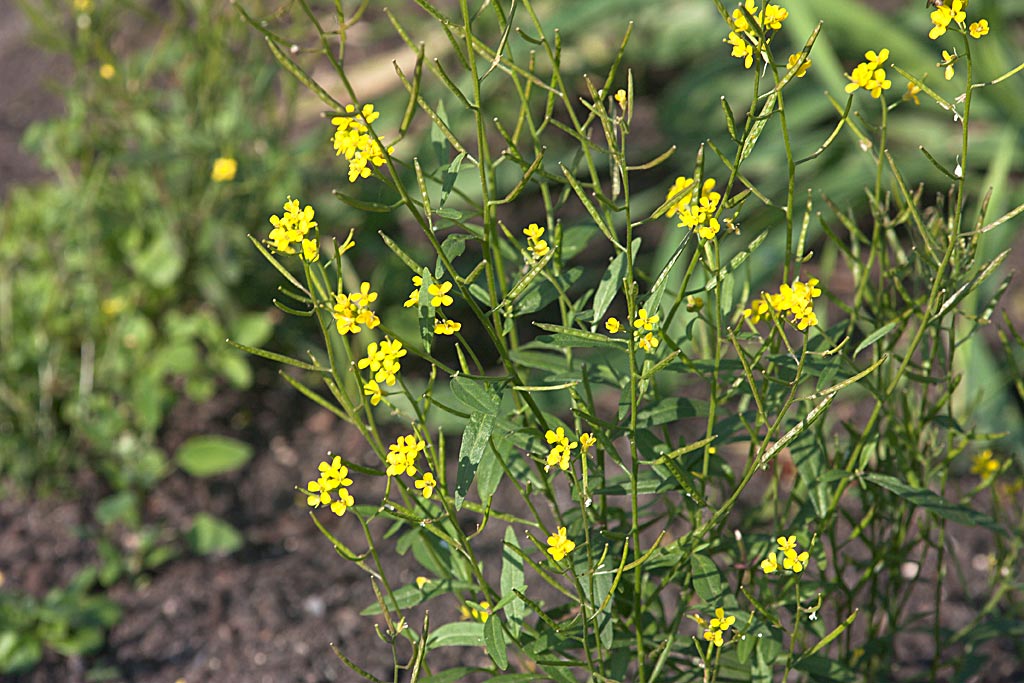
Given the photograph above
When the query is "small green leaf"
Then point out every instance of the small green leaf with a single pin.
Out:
(458, 633)
(212, 536)
(494, 638)
(933, 502)
(875, 336)
(209, 455)
(706, 579)
(512, 577)
(474, 443)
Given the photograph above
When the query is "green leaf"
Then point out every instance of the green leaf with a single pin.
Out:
(669, 410)
(706, 579)
(210, 454)
(477, 395)
(611, 282)
(212, 536)
(455, 634)
(933, 502)
(474, 443)
(572, 337)
(875, 336)
(512, 577)
(494, 638)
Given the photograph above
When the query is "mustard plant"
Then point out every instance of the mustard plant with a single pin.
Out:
(691, 475)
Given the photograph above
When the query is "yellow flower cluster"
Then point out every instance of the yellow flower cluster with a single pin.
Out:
(743, 36)
(439, 297)
(354, 140)
(333, 479)
(696, 213)
(352, 310)
(537, 247)
(383, 360)
(984, 465)
(402, 455)
(643, 328)
(291, 228)
(719, 625)
(559, 545)
(868, 75)
(475, 614)
(797, 300)
(561, 449)
(792, 560)
(947, 13)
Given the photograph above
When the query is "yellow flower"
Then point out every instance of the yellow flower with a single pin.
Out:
(793, 60)
(944, 15)
(645, 321)
(439, 294)
(620, 98)
(475, 614)
(561, 449)
(770, 564)
(224, 168)
(310, 250)
(612, 325)
(558, 545)
(741, 49)
(427, 483)
(421, 581)
(373, 390)
(648, 342)
(714, 637)
(107, 72)
(979, 28)
(912, 90)
(984, 465)
(344, 502)
(795, 561)
(291, 227)
(537, 246)
(414, 295)
(353, 139)
(447, 326)
(722, 622)
(948, 60)
(586, 441)
(402, 455)
(786, 543)
(83, 6)
(867, 75)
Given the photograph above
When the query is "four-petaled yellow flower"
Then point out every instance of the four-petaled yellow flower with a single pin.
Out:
(786, 543)
(978, 28)
(984, 465)
(447, 326)
(612, 325)
(620, 98)
(373, 390)
(645, 321)
(648, 342)
(427, 483)
(948, 60)
(795, 561)
(439, 294)
(383, 360)
(310, 250)
(586, 441)
(793, 60)
(559, 546)
(770, 564)
(743, 36)
(912, 90)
